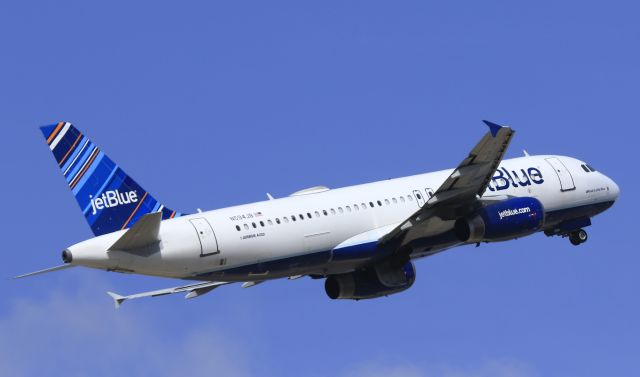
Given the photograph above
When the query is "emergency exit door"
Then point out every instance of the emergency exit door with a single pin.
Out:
(564, 175)
(208, 241)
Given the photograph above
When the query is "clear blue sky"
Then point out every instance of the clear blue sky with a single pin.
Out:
(211, 104)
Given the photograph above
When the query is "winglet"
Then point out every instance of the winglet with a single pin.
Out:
(494, 128)
(117, 299)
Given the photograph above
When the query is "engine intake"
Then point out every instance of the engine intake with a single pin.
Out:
(380, 280)
(501, 221)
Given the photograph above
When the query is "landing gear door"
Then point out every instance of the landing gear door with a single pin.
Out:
(419, 197)
(208, 241)
(564, 175)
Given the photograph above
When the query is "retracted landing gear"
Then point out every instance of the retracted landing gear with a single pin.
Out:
(578, 237)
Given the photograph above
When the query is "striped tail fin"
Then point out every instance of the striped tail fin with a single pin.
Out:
(108, 197)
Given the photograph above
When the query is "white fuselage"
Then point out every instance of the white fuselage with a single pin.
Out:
(261, 240)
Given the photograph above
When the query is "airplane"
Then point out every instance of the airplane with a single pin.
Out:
(361, 239)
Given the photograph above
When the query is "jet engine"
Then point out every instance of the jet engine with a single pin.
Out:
(380, 280)
(504, 220)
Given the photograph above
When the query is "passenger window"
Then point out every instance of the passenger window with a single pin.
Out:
(364, 206)
(371, 204)
(254, 225)
(277, 220)
(301, 216)
(379, 203)
(293, 217)
(402, 199)
(348, 209)
(269, 222)
(324, 212)
(285, 219)
(238, 227)
(308, 215)
(386, 201)
(394, 200)
(410, 198)
(340, 209)
(333, 211)
(246, 226)
(317, 213)
(262, 223)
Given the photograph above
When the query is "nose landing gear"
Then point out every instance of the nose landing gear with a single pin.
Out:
(578, 237)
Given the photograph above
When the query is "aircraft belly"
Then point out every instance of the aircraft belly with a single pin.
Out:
(303, 264)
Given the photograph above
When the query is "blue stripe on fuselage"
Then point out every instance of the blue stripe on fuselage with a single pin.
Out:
(288, 265)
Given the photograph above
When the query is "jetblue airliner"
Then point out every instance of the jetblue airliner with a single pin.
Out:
(361, 239)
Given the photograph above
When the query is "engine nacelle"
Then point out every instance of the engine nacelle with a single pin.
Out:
(501, 221)
(380, 280)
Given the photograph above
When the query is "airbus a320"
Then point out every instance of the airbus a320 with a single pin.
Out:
(362, 240)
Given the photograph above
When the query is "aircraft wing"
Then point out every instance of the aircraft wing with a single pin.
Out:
(193, 290)
(460, 192)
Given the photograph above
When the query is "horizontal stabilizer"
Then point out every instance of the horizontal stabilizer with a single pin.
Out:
(193, 290)
(143, 233)
(57, 268)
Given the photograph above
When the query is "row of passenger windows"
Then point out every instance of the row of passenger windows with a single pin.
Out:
(324, 212)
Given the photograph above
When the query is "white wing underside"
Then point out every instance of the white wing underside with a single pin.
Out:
(193, 290)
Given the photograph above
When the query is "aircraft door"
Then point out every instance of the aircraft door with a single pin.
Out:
(419, 198)
(564, 175)
(208, 241)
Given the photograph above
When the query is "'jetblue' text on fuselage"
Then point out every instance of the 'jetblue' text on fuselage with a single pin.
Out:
(503, 179)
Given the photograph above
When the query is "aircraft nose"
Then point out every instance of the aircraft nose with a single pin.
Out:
(614, 190)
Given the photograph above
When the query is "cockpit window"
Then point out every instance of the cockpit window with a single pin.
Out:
(588, 168)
